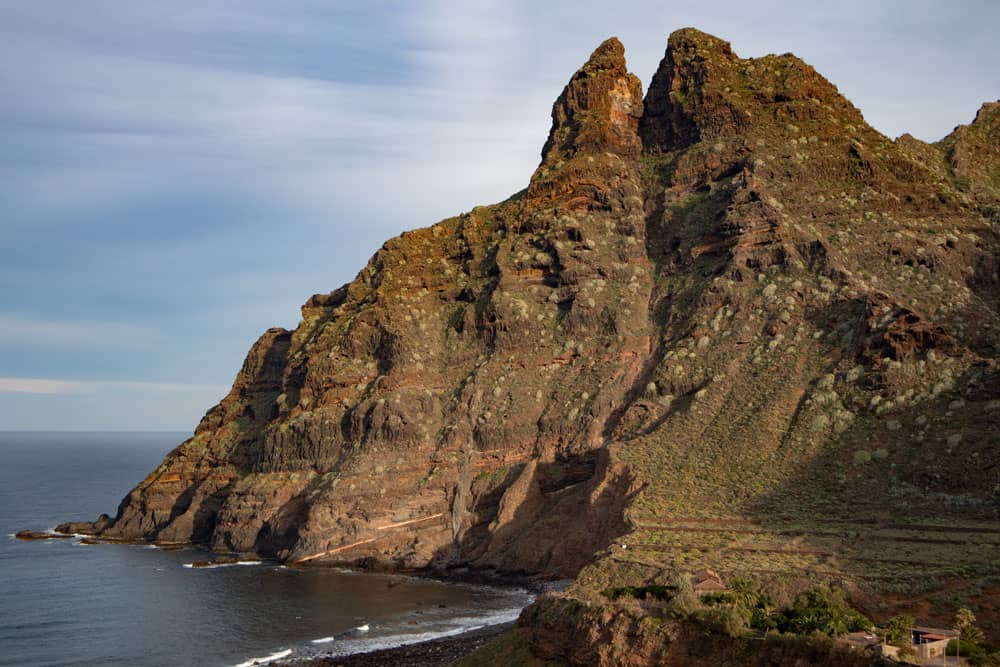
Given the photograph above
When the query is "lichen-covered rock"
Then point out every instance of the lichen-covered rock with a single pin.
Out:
(973, 153)
(731, 302)
(416, 395)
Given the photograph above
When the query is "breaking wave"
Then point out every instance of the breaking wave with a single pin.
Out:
(215, 565)
(278, 655)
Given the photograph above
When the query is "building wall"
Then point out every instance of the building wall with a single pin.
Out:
(932, 649)
(890, 651)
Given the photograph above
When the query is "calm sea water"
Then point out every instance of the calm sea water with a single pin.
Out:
(63, 603)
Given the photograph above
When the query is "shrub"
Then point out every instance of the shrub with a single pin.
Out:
(685, 601)
(964, 648)
(639, 592)
(966, 622)
(897, 630)
(716, 599)
(823, 609)
(727, 620)
(761, 619)
(620, 592)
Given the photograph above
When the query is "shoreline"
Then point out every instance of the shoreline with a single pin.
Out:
(431, 653)
(453, 574)
(438, 651)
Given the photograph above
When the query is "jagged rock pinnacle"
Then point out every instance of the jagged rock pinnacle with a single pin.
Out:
(973, 153)
(683, 89)
(598, 110)
(703, 90)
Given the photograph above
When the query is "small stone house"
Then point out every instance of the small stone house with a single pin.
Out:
(931, 642)
(926, 642)
(708, 581)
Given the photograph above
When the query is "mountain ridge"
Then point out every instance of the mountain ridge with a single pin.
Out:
(729, 302)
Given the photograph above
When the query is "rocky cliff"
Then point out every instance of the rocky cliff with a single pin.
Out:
(727, 325)
(559, 631)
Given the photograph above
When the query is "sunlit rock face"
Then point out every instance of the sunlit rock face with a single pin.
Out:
(732, 300)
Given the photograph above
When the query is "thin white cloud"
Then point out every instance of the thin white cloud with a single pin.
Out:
(34, 386)
(26, 331)
(161, 126)
(13, 385)
(30, 404)
(146, 120)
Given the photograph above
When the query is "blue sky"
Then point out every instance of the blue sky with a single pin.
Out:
(177, 177)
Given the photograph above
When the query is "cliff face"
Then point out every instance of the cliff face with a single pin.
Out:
(716, 316)
(461, 385)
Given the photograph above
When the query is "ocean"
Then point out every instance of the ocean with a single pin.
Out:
(66, 603)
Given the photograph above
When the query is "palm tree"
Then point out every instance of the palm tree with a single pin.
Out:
(835, 626)
(806, 622)
(744, 592)
(965, 623)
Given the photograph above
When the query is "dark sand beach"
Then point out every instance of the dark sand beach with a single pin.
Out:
(433, 653)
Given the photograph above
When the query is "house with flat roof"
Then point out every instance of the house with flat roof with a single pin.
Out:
(931, 642)
(926, 642)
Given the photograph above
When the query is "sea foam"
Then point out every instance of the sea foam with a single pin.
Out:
(212, 567)
(451, 627)
(266, 659)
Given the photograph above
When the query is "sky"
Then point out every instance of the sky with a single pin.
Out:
(177, 177)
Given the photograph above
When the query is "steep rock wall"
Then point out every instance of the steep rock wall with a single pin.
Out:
(706, 306)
